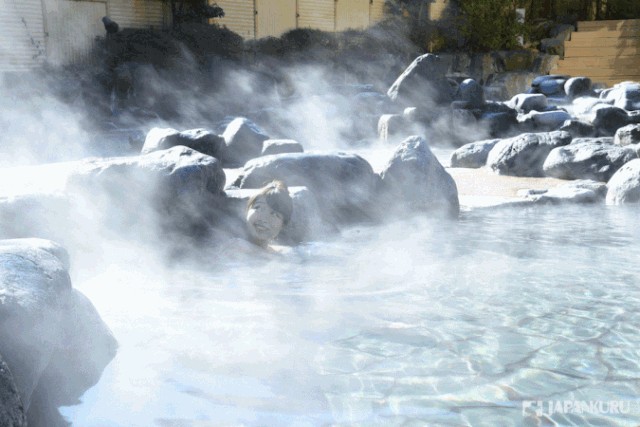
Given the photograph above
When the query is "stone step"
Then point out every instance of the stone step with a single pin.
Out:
(609, 25)
(581, 51)
(615, 42)
(602, 61)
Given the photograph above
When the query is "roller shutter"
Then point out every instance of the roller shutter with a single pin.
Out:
(274, 17)
(376, 11)
(318, 14)
(72, 27)
(22, 44)
(139, 13)
(239, 17)
(352, 14)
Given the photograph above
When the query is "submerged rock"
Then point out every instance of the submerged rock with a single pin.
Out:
(578, 191)
(525, 154)
(624, 185)
(588, 158)
(414, 180)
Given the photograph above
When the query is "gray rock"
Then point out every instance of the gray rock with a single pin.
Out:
(281, 146)
(552, 46)
(551, 85)
(526, 102)
(414, 180)
(624, 185)
(576, 87)
(472, 155)
(342, 183)
(578, 191)
(588, 158)
(545, 120)
(243, 139)
(12, 412)
(608, 118)
(562, 32)
(390, 126)
(422, 84)
(578, 128)
(200, 140)
(471, 93)
(627, 135)
(525, 154)
(625, 95)
(51, 337)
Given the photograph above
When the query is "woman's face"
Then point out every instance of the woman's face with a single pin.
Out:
(263, 223)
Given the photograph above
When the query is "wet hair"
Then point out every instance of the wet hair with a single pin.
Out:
(278, 198)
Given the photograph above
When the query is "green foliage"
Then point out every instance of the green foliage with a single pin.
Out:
(487, 25)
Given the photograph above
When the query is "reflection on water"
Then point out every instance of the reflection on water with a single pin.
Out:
(412, 323)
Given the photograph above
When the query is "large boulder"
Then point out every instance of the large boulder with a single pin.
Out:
(526, 102)
(624, 185)
(608, 118)
(579, 128)
(544, 121)
(471, 94)
(244, 140)
(414, 180)
(587, 158)
(625, 95)
(422, 84)
(202, 140)
(576, 87)
(342, 183)
(627, 135)
(12, 412)
(551, 85)
(525, 154)
(281, 146)
(472, 155)
(51, 336)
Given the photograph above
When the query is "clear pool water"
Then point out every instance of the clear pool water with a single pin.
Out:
(492, 320)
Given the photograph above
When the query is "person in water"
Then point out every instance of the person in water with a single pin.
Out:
(268, 212)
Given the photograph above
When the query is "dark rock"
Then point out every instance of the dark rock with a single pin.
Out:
(549, 85)
(625, 95)
(578, 128)
(578, 191)
(390, 126)
(552, 46)
(501, 123)
(544, 121)
(11, 408)
(576, 87)
(608, 119)
(472, 155)
(587, 159)
(525, 103)
(624, 185)
(244, 141)
(471, 93)
(342, 183)
(422, 84)
(200, 140)
(414, 180)
(627, 135)
(281, 146)
(525, 154)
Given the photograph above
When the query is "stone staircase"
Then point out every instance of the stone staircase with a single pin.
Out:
(607, 52)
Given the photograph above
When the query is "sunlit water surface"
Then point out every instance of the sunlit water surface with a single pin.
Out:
(417, 322)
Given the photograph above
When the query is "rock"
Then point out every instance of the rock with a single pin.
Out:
(507, 85)
(472, 155)
(562, 32)
(625, 95)
(578, 128)
(576, 87)
(51, 337)
(525, 154)
(422, 84)
(608, 119)
(545, 120)
(578, 191)
(588, 158)
(627, 135)
(391, 125)
(525, 103)
(624, 185)
(200, 140)
(414, 180)
(471, 93)
(552, 46)
(551, 85)
(12, 412)
(281, 146)
(243, 140)
(342, 183)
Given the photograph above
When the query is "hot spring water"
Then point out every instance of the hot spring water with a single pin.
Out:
(411, 323)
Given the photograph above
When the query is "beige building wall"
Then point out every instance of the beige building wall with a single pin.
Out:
(318, 14)
(352, 14)
(376, 11)
(139, 13)
(275, 17)
(239, 16)
(22, 35)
